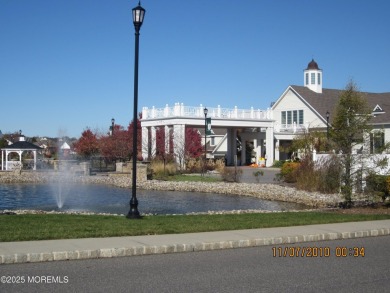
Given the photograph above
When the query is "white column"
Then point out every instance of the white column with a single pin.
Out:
(270, 146)
(153, 141)
(167, 140)
(20, 159)
(2, 160)
(179, 143)
(277, 151)
(6, 160)
(35, 159)
(145, 143)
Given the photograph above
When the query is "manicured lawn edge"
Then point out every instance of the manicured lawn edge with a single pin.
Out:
(27, 227)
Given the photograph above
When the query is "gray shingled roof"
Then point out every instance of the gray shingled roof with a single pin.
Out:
(23, 145)
(327, 101)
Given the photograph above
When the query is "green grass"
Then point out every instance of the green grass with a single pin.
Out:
(61, 226)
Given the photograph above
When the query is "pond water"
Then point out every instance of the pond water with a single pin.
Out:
(108, 199)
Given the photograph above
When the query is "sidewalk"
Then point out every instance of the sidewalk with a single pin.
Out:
(69, 249)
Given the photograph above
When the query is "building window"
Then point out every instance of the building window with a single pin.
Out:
(300, 120)
(313, 78)
(377, 142)
(212, 142)
(307, 78)
(291, 117)
(283, 118)
(319, 78)
(295, 116)
(288, 117)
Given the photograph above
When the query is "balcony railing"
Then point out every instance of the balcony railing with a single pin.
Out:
(179, 110)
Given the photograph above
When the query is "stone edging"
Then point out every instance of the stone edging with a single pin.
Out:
(183, 247)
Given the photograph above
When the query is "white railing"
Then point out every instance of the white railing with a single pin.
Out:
(179, 110)
(291, 128)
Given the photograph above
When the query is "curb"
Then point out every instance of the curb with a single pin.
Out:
(139, 250)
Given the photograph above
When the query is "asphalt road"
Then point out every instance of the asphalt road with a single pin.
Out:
(261, 269)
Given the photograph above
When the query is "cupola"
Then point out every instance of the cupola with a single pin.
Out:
(313, 77)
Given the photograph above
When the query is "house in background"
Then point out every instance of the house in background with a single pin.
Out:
(304, 108)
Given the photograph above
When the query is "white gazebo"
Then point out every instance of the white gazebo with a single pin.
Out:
(18, 147)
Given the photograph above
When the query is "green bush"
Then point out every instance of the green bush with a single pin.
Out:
(378, 185)
(278, 164)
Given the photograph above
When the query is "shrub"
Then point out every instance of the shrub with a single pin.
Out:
(378, 185)
(194, 165)
(278, 164)
(322, 175)
(231, 174)
(257, 175)
(160, 170)
(288, 172)
(306, 176)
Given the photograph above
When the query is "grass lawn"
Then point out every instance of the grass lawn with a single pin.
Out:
(62, 226)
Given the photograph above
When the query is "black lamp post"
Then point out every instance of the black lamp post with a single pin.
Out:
(327, 125)
(205, 111)
(138, 18)
(112, 126)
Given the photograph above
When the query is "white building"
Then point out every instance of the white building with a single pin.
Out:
(254, 133)
(301, 108)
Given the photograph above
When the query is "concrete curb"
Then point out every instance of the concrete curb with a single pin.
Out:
(184, 243)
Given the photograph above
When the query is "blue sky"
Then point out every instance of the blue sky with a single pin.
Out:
(66, 65)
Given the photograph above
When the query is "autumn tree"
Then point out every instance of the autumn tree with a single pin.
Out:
(87, 145)
(116, 146)
(193, 144)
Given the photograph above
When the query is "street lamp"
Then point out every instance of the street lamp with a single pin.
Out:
(138, 18)
(327, 125)
(205, 111)
(112, 126)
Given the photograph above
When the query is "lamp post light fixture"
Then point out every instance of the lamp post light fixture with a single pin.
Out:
(112, 126)
(205, 111)
(138, 18)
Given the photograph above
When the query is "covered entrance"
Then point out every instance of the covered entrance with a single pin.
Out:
(253, 128)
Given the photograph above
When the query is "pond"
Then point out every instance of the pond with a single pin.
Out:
(108, 199)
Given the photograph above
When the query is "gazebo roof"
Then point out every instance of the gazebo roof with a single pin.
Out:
(22, 145)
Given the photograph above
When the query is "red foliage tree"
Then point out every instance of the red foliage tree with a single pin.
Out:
(116, 146)
(193, 144)
(87, 145)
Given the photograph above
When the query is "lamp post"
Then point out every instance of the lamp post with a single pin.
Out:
(205, 111)
(327, 125)
(138, 18)
(112, 126)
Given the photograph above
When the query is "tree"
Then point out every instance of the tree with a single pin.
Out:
(117, 145)
(87, 145)
(350, 127)
(307, 142)
(193, 144)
